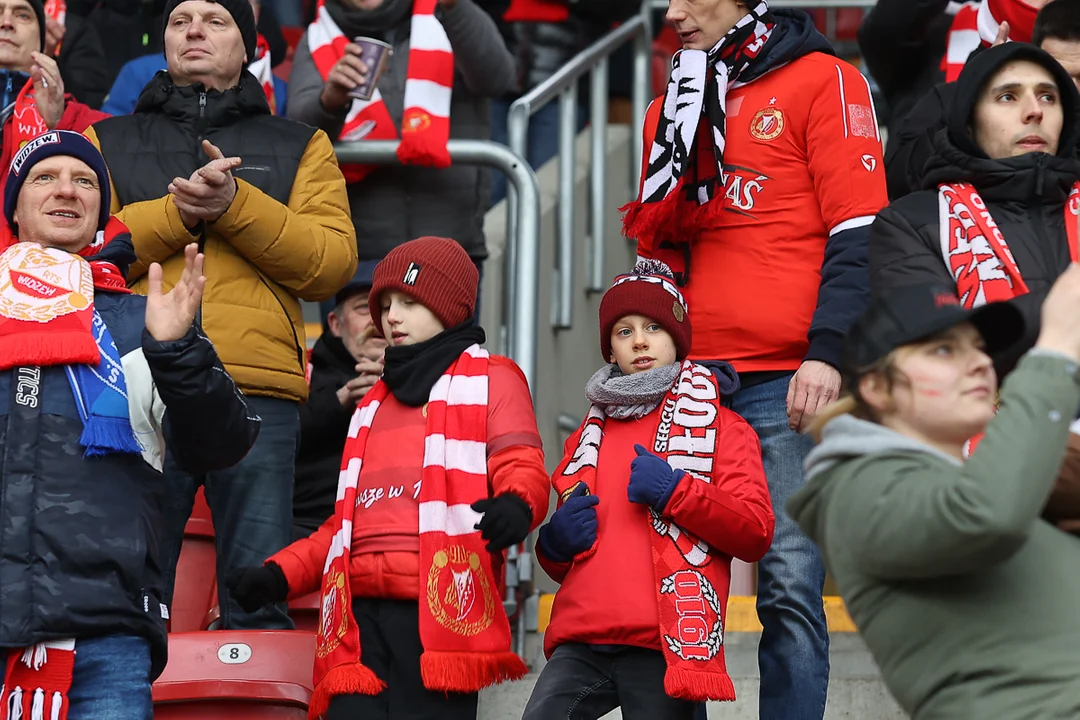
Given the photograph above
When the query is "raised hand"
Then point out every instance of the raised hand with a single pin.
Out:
(169, 315)
(48, 89)
(210, 190)
(344, 77)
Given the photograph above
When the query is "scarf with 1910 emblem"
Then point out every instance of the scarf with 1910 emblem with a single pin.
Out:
(463, 627)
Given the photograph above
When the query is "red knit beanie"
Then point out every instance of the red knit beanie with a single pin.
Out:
(437, 272)
(648, 290)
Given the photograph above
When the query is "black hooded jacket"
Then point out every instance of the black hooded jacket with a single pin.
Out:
(1026, 196)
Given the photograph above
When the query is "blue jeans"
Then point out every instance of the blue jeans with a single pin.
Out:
(110, 681)
(251, 505)
(793, 655)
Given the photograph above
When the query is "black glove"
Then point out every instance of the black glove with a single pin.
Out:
(506, 520)
(256, 587)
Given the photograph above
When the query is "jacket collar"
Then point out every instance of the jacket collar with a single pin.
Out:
(1034, 177)
(185, 104)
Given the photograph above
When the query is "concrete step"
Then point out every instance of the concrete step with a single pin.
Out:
(856, 691)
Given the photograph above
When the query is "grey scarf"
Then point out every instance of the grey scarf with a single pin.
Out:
(626, 397)
(375, 23)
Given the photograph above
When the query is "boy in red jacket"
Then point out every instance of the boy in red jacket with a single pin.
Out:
(442, 470)
(659, 488)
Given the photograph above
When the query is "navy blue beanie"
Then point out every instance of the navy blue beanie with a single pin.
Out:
(55, 142)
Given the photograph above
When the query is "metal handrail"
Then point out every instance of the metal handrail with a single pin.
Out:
(563, 85)
(523, 318)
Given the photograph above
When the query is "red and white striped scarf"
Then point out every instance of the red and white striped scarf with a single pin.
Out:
(37, 678)
(692, 580)
(260, 67)
(977, 23)
(975, 250)
(463, 627)
(428, 88)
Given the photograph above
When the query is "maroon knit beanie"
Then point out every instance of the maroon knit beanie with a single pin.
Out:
(437, 272)
(648, 290)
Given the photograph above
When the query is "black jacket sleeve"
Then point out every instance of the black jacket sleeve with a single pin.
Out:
(208, 423)
(900, 256)
(82, 63)
(896, 41)
(324, 422)
(905, 160)
(842, 294)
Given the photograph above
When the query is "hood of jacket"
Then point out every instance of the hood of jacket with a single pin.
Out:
(793, 37)
(181, 103)
(1037, 176)
(844, 439)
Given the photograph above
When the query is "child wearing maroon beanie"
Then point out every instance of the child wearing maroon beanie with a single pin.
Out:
(658, 489)
(442, 471)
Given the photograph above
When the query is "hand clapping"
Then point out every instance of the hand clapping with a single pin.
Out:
(210, 190)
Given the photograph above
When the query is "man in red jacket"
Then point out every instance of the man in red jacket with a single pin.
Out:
(763, 173)
(31, 88)
(659, 489)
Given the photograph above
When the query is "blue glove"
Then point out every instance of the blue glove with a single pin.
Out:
(652, 480)
(572, 528)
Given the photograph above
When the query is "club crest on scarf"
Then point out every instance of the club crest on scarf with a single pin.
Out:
(41, 284)
(699, 633)
(333, 624)
(453, 583)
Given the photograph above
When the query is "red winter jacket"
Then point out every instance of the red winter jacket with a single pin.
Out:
(610, 598)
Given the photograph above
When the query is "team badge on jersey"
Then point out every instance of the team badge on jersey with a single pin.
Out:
(768, 124)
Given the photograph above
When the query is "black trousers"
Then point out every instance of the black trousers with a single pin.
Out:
(390, 646)
(581, 682)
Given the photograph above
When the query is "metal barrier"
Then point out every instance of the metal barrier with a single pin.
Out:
(563, 85)
(523, 318)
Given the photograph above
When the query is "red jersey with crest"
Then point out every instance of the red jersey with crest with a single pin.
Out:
(803, 162)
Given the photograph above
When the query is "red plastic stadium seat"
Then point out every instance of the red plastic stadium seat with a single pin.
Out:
(236, 675)
(195, 570)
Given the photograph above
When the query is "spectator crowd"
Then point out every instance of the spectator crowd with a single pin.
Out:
(832, 354)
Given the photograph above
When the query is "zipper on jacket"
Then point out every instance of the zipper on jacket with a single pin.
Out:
(1040, 175)
(200, 124)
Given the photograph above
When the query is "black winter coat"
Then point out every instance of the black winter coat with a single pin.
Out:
(79, 536)
(1025, 195)
(324, 423)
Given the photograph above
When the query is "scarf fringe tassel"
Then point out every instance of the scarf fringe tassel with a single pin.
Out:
(425, 151)
(349, 679)
(687, 684)
(467, 672)
(669, 220)
(42, 349)
(104, 435)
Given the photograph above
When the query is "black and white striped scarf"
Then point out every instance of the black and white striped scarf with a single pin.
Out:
(674, 171)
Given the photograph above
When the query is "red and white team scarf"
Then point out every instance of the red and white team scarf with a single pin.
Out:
(976, 252)
(260, 67)
(680, 182)
(977, 23)
(428, 87)
(692, 580)
(463, 627)
(36, 682)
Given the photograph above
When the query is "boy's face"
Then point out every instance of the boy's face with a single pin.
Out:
(405, 321)
(639, 343)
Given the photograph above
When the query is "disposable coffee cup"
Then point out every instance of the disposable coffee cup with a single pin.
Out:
(375, 54)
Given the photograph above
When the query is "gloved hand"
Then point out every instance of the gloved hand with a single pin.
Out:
(506, 520)
(572, 528)
(652, 480)
(256, 587)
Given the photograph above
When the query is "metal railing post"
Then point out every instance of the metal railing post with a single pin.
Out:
(563, 316)
(598, 119)
(524, 244)
(640, 95)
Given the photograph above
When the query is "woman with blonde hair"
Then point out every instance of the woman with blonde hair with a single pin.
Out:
(966, 598)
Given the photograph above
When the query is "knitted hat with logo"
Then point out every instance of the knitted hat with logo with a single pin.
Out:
(648, 290)
(55, 142)
(437, 272)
